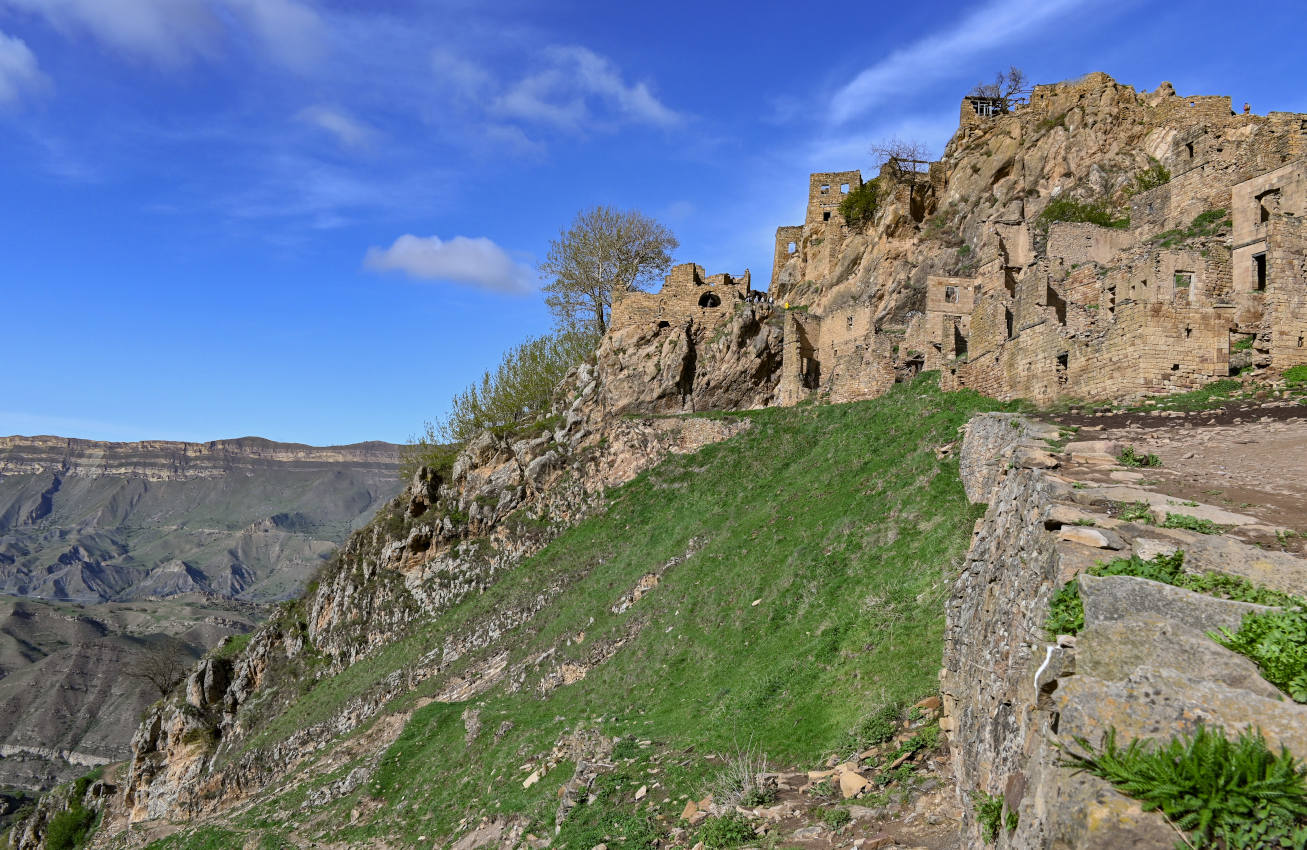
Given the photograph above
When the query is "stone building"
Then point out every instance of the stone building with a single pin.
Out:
(687, 294)
(1216, 255)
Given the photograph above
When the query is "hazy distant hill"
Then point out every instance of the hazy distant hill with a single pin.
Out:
(249, 519)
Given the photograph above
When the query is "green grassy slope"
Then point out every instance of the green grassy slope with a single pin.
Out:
(839, 522)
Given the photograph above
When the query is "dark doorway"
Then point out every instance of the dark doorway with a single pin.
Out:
(709, 299)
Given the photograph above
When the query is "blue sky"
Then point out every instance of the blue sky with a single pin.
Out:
(314, 220)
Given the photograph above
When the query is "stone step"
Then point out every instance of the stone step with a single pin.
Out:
(1110, 599)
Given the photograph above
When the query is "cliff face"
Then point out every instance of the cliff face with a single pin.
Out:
(90, 521)
(446, 536)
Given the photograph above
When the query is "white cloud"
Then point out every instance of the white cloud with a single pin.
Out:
(172, 32)
(578, 89)
(459, 76)
(19, 72)
(1000, 23)
(476, 262)
(348, 131)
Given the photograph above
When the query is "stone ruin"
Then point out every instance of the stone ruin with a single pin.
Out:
(1043, 311)
(687, 295)
(1082, 311)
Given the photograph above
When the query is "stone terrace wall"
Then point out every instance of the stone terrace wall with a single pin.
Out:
(1143, 664)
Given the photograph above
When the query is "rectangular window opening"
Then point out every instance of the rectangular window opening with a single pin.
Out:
(1183, 280)
(951, 294)
(793, 248)
(844, 188)
(825, 216)
(825, 187)
(1259, 272)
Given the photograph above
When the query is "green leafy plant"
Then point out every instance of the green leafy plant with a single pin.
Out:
(1012, 820)
(1192, 523)
(1135, 512)
(729, 830)
(1130, 457)
(880, 726)
(836, 817)
(989, 813)
(1067, 612)
(627, 748)
(1277, 642)
(1223, 793)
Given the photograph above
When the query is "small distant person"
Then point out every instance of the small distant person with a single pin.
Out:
(1247, 109)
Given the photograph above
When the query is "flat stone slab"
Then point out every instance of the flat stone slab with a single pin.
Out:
(1163, 504)
(1117, 650)
(1109, 599)
(1280, 571)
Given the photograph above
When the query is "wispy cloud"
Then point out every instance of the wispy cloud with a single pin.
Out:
(579, 89)
(348, 131)
(173, 32)
(475, 262)
(20, 74)
(999, 23)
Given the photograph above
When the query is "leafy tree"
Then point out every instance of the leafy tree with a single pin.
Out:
(860, 205)
(1006, 84)
(518, 390)
(605, 250)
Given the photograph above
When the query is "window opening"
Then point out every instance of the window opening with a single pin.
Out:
(844, 188)
(709, 299)
(1259, 271)
(825, 216)
(951, 294)
(1183, 280)
(793, 248)
(825, 187)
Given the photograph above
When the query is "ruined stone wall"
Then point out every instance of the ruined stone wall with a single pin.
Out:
(826, 190)
(785, 237)
(1077, 243)
(1286, 295)
(1142, 664)
(686, 295)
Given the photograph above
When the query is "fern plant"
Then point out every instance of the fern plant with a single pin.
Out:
(1231, 794)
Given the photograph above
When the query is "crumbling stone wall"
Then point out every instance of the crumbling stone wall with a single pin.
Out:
(686, 295)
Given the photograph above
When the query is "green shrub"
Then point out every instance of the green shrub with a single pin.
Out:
(1229, 794)
(69, 828)
(836, 817)
(1100, 213)
(1151, 177)
(989, 813)
(1295, 375)
(729, 830)
(1129, 457)
(860, 205)
(1277, 642)
(881, 725)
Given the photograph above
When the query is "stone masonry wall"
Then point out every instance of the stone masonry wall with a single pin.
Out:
(1013, 696)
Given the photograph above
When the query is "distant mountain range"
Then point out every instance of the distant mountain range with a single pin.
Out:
(128, 552)
(249, 519)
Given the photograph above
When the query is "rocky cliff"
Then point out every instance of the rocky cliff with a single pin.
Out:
(89, 521)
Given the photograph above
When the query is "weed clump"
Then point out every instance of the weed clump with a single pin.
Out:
(1232, 794)
(1100, 213)
(729, 830)
(1130, 457)
(989, 812)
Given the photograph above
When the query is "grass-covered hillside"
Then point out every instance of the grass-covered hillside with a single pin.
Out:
(802, 571)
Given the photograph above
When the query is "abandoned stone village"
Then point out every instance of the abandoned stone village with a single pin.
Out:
(1203, 273)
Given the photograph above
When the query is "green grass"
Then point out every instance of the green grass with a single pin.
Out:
(1067, 611)
(1232, 794)
(1129, 457)
(1192, 523)
(1203, 398)
(839, 519)
(1100, 213)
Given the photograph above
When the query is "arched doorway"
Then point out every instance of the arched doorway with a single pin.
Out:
(709, 299)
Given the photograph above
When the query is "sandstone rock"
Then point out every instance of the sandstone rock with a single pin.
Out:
(852, 784)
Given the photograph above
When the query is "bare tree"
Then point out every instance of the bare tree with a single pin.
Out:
(1006, 84)
(160, 664)
(604, 251)
(896, 148)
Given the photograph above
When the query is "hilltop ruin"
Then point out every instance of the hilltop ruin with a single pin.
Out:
(966, 269)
